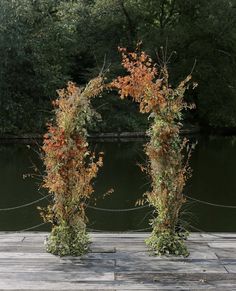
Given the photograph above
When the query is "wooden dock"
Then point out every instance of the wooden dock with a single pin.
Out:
(117, 261)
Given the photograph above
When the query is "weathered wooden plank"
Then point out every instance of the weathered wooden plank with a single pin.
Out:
(128, 247)
(138, 236)
(230, 265)
(8, 284)
(203, 254)
(35, 239)
(200, 266)
(22, 249)
(15, 255)
(102, 249)
(230, 268)
(41, 249)
(218, 235)
(156, 277)
(194, 255)
(224, 253)
(11, 239)
(57, 277)
(223, 245)
(194, 281)
(133, 237)
(26, 233)
(52, 268)
(117, 262)
(55, 262)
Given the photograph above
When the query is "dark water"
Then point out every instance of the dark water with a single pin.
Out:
(213, 180)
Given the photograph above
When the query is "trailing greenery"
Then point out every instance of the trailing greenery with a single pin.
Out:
(70, 168)
(167, 166)
(45, 43)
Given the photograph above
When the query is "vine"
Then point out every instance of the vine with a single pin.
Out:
(70, 168)
(168, 167)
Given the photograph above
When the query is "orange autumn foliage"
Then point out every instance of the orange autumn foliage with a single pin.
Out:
(167, 167)
(140, 81)
(69, 165)
(148, 86)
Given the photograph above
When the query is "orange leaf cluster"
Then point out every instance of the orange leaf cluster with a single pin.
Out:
(142, 83)
(70, 166)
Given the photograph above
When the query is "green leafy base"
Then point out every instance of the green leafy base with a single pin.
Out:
(167, 243)
(67, 241)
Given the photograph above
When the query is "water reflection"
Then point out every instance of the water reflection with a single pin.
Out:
(213, 163)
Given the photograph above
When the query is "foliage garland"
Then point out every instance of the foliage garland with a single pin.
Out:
(70, 168)
(167, 167)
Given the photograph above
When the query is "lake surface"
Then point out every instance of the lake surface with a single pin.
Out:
(213, 180)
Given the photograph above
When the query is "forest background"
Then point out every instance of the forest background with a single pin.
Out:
(45, 43)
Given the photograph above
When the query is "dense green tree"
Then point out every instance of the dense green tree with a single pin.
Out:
(203, 31)
(192, 31)
(44, 43)
(36, 44)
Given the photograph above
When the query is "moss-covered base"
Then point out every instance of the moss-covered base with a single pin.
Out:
(167, 243)
(67, 241)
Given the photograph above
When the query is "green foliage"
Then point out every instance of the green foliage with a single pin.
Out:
(43, 44)
(36, 43)
(167, 243)
(65, 240)
(204, 31)
(118, 116)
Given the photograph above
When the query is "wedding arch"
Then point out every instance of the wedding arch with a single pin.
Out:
(70, 166)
